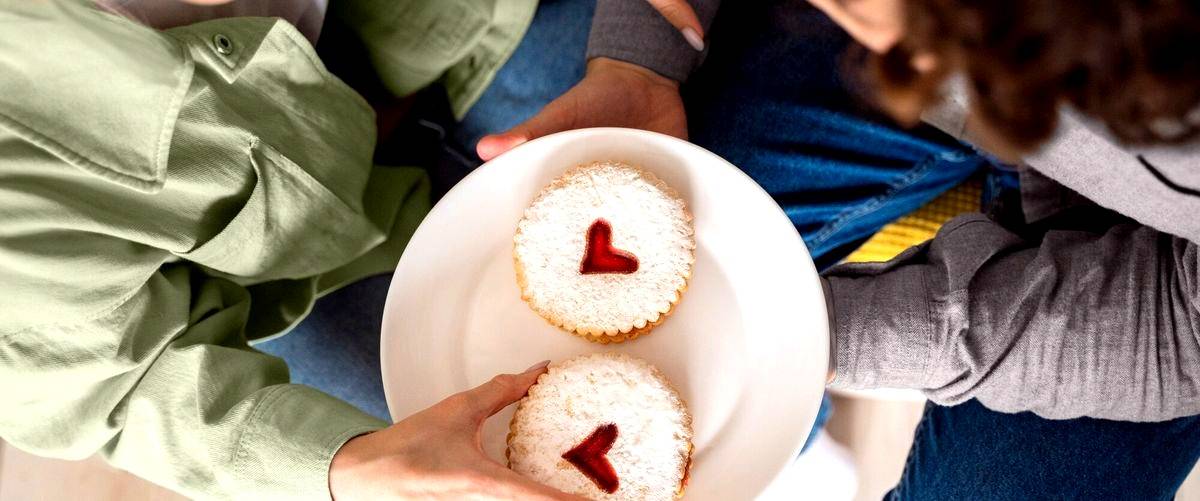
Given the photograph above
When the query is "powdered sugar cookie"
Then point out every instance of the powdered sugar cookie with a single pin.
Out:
(603, 426)
(605, 251)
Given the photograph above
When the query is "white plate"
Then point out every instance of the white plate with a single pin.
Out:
(747, 346)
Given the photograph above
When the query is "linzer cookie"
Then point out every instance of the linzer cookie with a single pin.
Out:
(603, 426)
(605, 251)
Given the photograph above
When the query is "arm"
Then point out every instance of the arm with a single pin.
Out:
(1079, 323)
(165, 386)
(634, 32)
(119, 334)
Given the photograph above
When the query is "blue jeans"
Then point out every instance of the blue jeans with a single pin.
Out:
(970, 452)
(775, 100)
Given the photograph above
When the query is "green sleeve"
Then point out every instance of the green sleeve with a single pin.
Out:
(192, 200)
(460, 43)
(165, 386)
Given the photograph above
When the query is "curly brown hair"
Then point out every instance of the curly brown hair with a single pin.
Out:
(1132, 64)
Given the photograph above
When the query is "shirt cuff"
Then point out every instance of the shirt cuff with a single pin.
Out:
(880, 329)
(632, 31)
(290, 440)
(832, 363)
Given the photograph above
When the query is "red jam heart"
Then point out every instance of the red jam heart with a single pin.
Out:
(589, 457)
(601, 257)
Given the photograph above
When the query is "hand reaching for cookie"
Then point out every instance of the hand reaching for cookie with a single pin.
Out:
(612, 94)
(436, 453)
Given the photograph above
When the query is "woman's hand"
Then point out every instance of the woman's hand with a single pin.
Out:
(436, 453)
(612, 94)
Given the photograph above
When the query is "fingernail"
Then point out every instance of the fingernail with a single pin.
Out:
(514, 140)
(493, 146)
(693, 38)
(488, 148)
(482, 149)
(538, 366)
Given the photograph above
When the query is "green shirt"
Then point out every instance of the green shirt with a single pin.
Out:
(167, 197)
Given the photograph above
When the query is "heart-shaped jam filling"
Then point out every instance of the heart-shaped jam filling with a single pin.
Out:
(590, 457)
(601, 257)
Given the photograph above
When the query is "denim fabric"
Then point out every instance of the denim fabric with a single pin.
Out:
(779, 102)
(970, 452)
(336, 348)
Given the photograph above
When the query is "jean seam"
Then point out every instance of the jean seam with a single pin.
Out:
(853, 213)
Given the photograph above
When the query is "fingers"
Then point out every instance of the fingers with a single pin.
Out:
(611, 94)
(488, 398)
(683, 17)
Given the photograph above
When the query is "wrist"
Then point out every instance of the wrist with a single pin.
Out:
(604, 64)
(345, 461)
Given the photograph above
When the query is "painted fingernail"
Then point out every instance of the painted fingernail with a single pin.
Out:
(538, 366)
(693, 38)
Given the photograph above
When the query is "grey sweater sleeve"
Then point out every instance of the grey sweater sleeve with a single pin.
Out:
(632, 31)
(1076, 324)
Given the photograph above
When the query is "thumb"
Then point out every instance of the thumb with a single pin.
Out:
(488, 398)
(557, 116)
(493, 145)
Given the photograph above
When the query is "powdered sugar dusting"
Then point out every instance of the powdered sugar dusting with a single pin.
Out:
(579, 395)
(647, 220)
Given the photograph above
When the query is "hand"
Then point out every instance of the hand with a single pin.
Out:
(436, 453)
(612, 94)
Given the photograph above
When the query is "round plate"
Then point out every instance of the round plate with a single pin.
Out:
(747, 346)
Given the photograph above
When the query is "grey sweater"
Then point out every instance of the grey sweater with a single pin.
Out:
(1080, 313)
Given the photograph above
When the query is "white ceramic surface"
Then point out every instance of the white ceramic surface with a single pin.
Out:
(747, 346)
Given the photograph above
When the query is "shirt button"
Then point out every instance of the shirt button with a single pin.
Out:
(223, 44)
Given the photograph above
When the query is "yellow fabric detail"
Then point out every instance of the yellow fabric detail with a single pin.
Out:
(920, 225)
